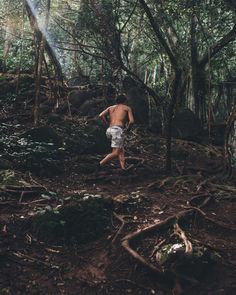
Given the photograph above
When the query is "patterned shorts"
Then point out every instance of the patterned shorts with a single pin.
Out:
(116, 134)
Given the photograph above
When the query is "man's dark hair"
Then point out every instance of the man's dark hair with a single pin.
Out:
(121, 98)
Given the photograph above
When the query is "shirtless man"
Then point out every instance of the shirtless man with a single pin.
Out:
(119, 115)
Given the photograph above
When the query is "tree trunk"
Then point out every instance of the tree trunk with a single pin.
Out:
(48, 48)
(174, 97)
(39, 67)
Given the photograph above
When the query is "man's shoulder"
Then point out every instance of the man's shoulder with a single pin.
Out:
(111, 107)
(127, 108)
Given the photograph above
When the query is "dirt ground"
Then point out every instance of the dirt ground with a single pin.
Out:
(143, 197)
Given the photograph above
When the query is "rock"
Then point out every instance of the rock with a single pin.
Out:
(155, 122)
(78, 80)
(129, 83)
(82, 222)
(168, 251)
(87, 139)
(43, 134)
(92, 107)
(5, 164)
(45, 108)
(45, 167)
(7, 87)
(97, 140)
(63, 109)
(217, 133)
(54, 118)
(137, 100)
(8, 84)
(186, 125)
(28, 79)
(78, 97)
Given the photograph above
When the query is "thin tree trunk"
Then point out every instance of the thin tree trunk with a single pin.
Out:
(176, 84)
(49, 50)
(39, 68)
(21, 52)
(170, 114)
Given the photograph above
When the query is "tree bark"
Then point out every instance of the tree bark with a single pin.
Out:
(48, 48)
(176, 84)
(39, 67)
(171, 107)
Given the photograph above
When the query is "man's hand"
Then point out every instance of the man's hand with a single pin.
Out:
(128, 128)
(104, 120)
(102, 116)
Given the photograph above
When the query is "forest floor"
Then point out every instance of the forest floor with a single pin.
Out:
(142, 197)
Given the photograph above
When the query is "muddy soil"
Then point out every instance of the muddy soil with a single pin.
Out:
(142, 196)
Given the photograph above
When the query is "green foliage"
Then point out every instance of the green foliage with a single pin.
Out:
(98, 38)
(7, 177)
(38, 157)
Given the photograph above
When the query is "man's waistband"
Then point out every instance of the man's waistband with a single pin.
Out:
(116, 126)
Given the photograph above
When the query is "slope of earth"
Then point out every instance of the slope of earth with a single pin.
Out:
(196, 198)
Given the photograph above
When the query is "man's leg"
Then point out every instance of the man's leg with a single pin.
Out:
(115, 153)
(122, 158)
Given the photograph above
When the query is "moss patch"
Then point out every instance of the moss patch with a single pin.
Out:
(79, 223)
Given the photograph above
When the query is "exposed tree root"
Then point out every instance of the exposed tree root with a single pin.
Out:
(174, 181)
(221, 187)
(126, 243)
(21, 191)
(169, 275)
(25, 259)
(200, 201)
(194, 208)
(179, 232)
(121, 218)
(220, 224)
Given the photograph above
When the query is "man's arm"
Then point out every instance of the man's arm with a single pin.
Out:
(103, 114)
(130, 119)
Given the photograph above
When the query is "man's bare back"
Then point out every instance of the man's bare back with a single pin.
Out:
(119, 114)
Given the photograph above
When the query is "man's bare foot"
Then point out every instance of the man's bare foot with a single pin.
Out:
(126, 170)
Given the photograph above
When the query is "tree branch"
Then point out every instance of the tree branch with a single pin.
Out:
(215, 48)
(159, 34)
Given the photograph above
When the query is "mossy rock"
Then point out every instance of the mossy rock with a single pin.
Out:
(7, 177)
(137, 100)
(79, 223)
(43, 134)
(187, 126)
(97, 140)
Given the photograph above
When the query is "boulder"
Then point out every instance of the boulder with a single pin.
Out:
(78, 97)
(80, 222)
(92, 107)
(129, 83)
(137, 100)
(43, 134)
(54, 118)
(87, 139)
(97, 140)
(45, 108)
(43, 166)
(78, 80)
(5, 164)
(217, 133)
(187, 126)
